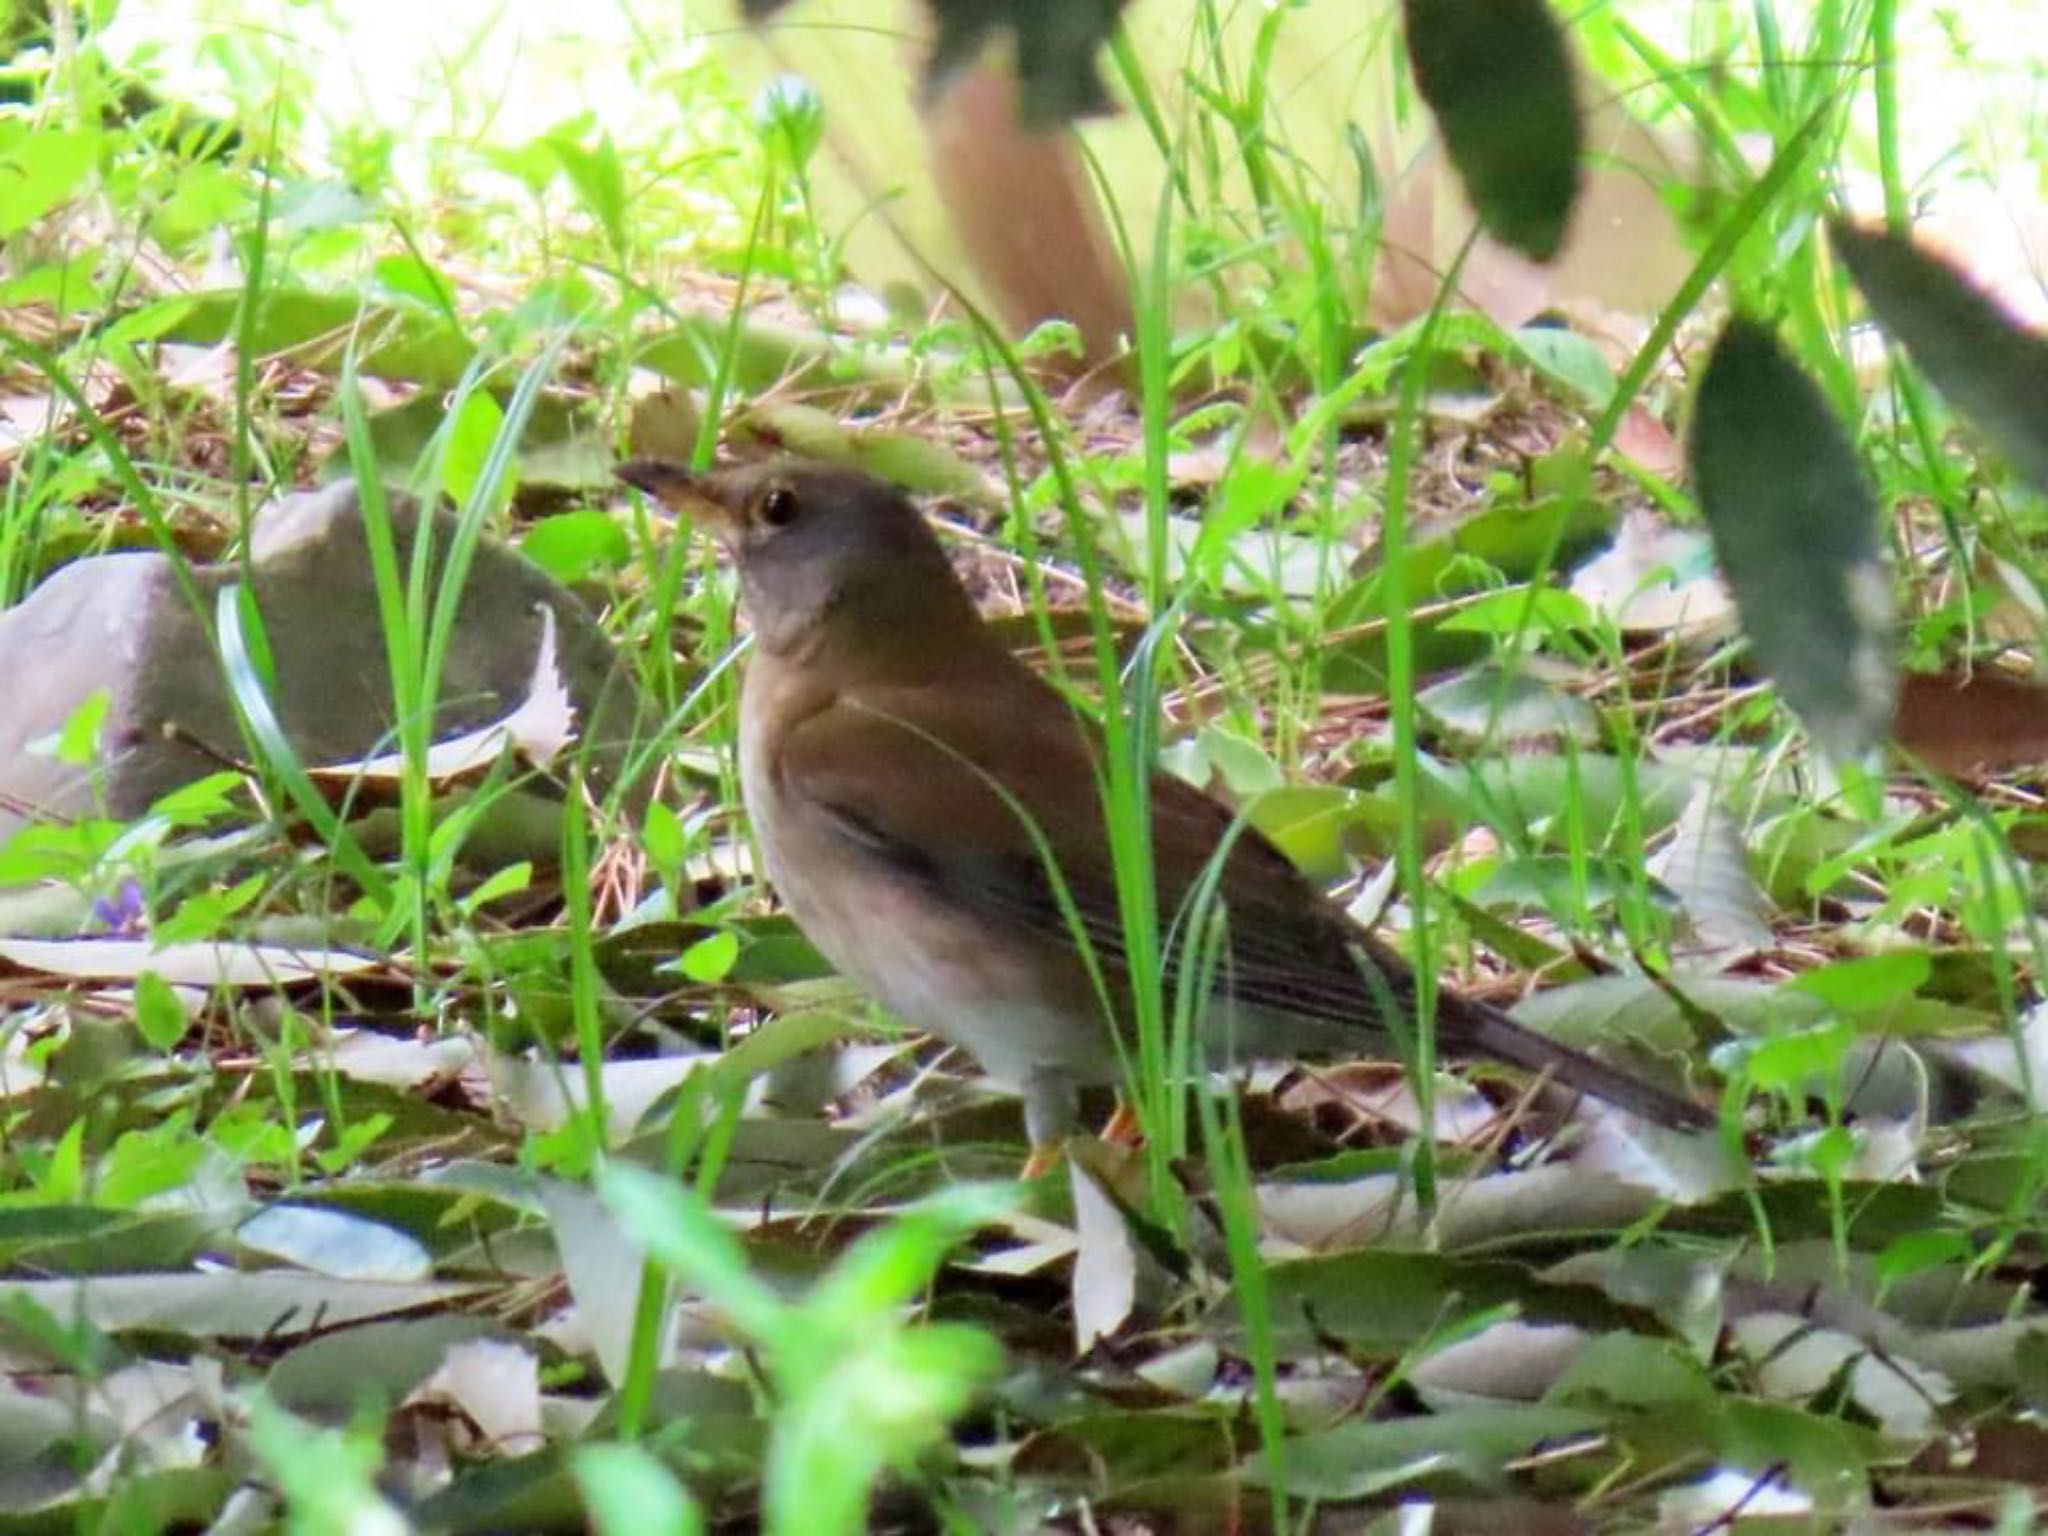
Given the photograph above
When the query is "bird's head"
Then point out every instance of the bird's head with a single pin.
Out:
(824, 553)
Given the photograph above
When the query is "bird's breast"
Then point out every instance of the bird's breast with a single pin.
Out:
(1018, 1006)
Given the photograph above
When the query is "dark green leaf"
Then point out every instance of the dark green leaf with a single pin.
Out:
(1991, 369)
(1362, 1457)
(1499, 79)
(1796, 530)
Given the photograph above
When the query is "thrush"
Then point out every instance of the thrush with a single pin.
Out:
(932, 813)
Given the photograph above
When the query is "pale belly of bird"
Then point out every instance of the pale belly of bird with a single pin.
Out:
(1022, 1010)
(936, 971)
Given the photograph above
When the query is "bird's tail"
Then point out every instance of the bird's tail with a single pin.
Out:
(1486, 1031)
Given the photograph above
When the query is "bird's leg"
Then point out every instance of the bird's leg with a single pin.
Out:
(1052, 1105)
(1123, 1128)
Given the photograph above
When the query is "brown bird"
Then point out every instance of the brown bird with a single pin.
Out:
(931, 811)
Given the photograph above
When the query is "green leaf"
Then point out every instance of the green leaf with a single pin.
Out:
(1604, 1008)
(328, 1479)
(901, 1389)
(1627, 1369)
(1569, 359)
(315, 328)
(1795, 528)
(1496, 706)
(371, 1366)
(1498, 78)
(1868, 982)
(1794, 1059)
(684, 1235)
(661, 834)
(627, 1492)
(509, 881)
(1991, 369)
(599, 181)
(918, 464)
(39, 168)
(893, 1263)
(1916, 1252)
(78, 742)
(1382, 1303)
(1363, 1457)
(194, 804)
(1309, 823)
(710, 959)
(577, 546)
(475, 427)
(204, 914)
(159, 1016)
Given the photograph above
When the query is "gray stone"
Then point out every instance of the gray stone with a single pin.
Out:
(123, 623)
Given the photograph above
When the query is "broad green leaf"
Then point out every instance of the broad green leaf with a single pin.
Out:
(1363, 1456)
(1792, 1059)
(1559, 883)
(789, 426)
(1498, 77)
(39, 168)
(471, 433)
(270, 1304)
(1542, 793)
(1627, 1369)
(1571, 360)
(1868, 981)
(1637, 1008)
(1309, 823)
(371, 1366)
(1383, 1303)
(901, 1389)
(1992, 369)
(78, 741)
(711, 958)
(1495, 707)
(328, 1478)
(892, 1263)
(1916, 1252)
(315, 329)
(1796, 530)
(159, 1017)
(77, 1239)
(577, 546)
(918, 464)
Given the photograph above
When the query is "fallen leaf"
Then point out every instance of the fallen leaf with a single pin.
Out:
(1979, 722)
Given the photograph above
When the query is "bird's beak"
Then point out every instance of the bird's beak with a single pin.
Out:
(703, 499)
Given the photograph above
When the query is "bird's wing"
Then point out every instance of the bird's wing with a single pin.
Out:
(994, 801)
(1004, 813)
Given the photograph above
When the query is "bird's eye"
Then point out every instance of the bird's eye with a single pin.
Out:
(778, 506)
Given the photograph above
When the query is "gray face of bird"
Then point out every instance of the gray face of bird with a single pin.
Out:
(826, 555)
(823, 550)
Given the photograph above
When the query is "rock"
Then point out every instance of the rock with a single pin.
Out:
(123, 623)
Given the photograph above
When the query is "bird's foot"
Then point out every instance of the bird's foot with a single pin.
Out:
(1124, 1128)
(1043, 1159)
